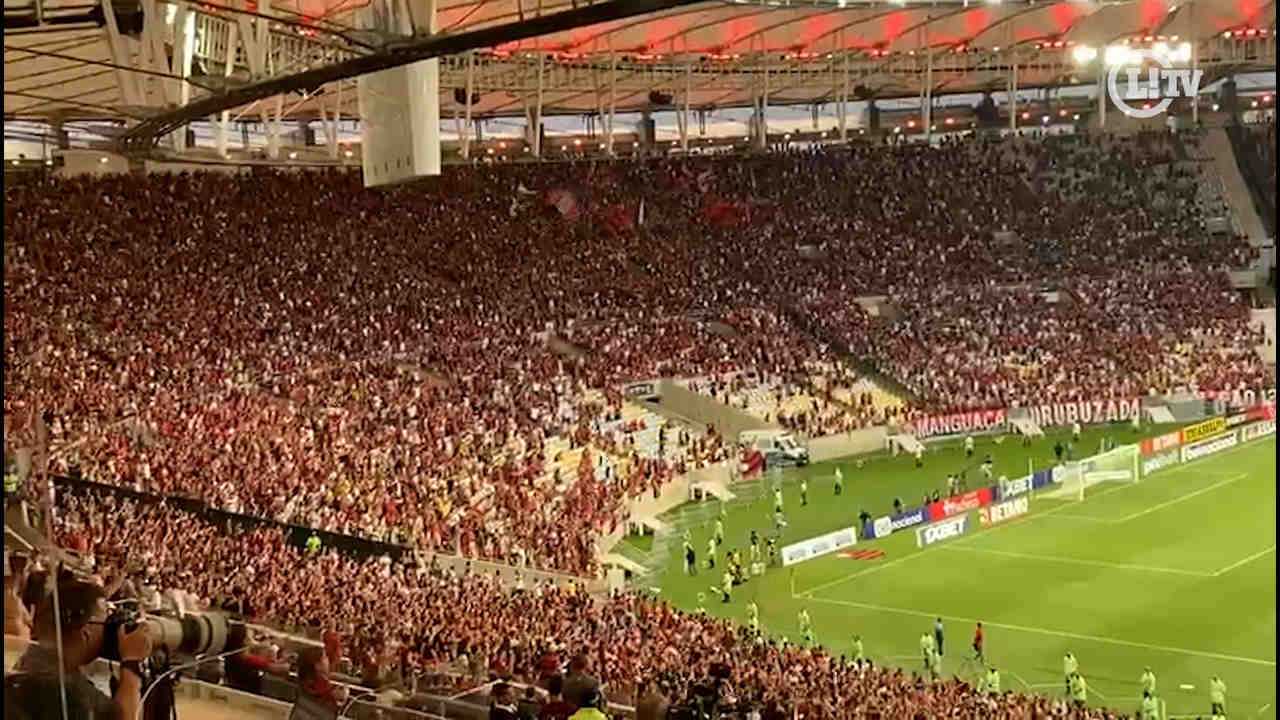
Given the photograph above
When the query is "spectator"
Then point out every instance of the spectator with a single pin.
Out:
(579, 684)
(530, 705)
(318, 696)
(652, 703)
(556, 708)
(502, 705)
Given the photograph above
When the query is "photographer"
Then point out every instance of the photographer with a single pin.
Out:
(33, 692)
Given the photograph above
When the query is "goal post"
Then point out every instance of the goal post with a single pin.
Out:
(1075, 480)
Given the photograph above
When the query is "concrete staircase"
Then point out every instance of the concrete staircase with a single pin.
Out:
(1235, 190)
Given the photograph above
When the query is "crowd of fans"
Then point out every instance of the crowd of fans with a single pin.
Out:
(473, 629)
(1123, 336)
(441, 363)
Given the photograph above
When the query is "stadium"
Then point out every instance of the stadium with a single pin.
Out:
(835, 360)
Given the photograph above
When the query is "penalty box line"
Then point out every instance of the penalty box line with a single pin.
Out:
(1047, 631)
(1051, 511)
(933, 548)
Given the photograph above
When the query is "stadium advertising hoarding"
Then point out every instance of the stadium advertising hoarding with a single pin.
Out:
(1202, 430)
(960, 503)
(1085, 412)
(908, 518)
(641, 390)
(882, 527)
(1159, 444)
(945, 530)
(1003, 511)
(821, 545)
(1013, 488)
(965, 422)
(1163, 460)
(1257, 430)
(886, 525)
(1209, 447)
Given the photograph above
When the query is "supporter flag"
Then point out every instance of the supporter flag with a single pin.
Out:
(565, 202)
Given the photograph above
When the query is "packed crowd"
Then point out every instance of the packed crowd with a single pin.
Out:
(431, 362)
(478, 630)
(1124, 336)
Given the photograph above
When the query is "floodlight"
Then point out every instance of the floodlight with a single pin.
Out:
(1083, 54)
(1117, 55)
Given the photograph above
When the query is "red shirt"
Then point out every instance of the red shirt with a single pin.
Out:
(977, 637)
(556, 710)
(332, 646)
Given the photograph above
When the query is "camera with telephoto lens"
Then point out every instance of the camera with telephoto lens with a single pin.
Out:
(206, 633)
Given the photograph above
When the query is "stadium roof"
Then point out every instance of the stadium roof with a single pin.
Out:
(61, 62)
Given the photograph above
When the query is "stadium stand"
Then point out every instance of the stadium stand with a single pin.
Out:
(381, 364)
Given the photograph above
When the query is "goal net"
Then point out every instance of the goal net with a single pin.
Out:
(1074, 480)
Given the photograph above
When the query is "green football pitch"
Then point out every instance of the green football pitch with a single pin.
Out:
(1176, 572)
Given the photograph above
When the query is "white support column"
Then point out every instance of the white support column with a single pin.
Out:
(184, 40)
(471, 72)
(763, 141)
(224, 121)
(332, 124)
(928, 95)
(537, 109)
(613, 97)
(1195, 60)
(130, 91)
(1013, 91)
(844, 93)
(273, 128)
(1102, 89)
(684, 112)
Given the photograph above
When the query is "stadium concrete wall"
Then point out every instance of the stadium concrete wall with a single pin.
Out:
(728, 421)
(857, 442)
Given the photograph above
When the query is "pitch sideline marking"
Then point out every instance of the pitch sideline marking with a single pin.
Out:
(1075, 561)
(1245, 561)
(1181, 498)
(1046, 631)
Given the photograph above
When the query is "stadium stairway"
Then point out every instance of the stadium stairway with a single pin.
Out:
(1218, 147)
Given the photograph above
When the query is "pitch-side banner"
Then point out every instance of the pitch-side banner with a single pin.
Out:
(1209, 447)
(1085, 412)
(1168, 441)
(1160, 461)
(1202, 430)
(1014, 488)
(945, 530)
(1257, 430)
(965, 422)
(821, 545)
(1003, 511)
(960, 503)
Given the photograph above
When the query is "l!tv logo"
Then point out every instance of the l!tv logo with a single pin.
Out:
(1152, 79)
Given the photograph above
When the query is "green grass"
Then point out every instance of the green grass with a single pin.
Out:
(1176, 572)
